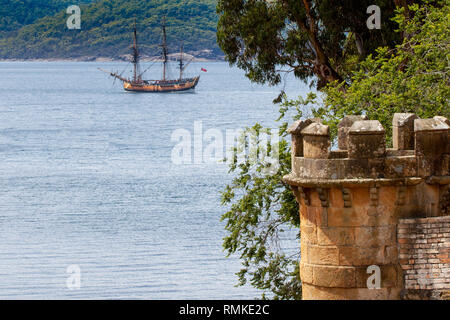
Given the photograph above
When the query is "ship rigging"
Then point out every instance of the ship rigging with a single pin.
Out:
(137, 83)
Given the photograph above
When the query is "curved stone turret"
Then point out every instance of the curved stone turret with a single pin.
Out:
(351, 199)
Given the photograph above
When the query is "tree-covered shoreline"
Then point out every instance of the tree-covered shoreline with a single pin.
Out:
(106, 29)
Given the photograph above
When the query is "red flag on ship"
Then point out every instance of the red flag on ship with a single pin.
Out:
(204, 70)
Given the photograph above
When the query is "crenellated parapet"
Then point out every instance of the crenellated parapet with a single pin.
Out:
(420, 151)
(351, 199)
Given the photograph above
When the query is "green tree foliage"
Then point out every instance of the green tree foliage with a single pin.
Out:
(411, 77)
(260, 207)
(320, 41)
(106, 30)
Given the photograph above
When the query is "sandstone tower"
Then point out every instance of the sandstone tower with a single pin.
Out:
(364, 206)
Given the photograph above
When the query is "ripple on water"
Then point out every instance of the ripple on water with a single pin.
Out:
(87, 180)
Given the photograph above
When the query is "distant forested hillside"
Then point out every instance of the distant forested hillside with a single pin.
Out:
(17, 13)
(106, 25)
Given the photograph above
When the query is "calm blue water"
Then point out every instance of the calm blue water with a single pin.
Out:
(86, 179)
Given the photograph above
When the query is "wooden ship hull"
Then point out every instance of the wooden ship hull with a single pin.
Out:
(162, 86)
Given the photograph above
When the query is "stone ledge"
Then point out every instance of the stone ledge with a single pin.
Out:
(424, 220)
(347, 276)
(346, 168)
(311, 292)
(294, 180)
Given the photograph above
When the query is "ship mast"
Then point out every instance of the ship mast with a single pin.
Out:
(135, 57)
(181, 62)
(164, 48)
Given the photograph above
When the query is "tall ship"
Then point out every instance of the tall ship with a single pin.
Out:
(137, 83)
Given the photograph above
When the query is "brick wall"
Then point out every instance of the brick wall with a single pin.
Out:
(424, 255)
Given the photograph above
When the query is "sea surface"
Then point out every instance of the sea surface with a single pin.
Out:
(87, 180)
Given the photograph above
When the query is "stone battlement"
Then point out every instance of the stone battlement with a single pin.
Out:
(352, 199)
(421, 150)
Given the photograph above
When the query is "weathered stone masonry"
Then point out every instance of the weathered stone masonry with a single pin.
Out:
(424, 255)
(352, 201)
